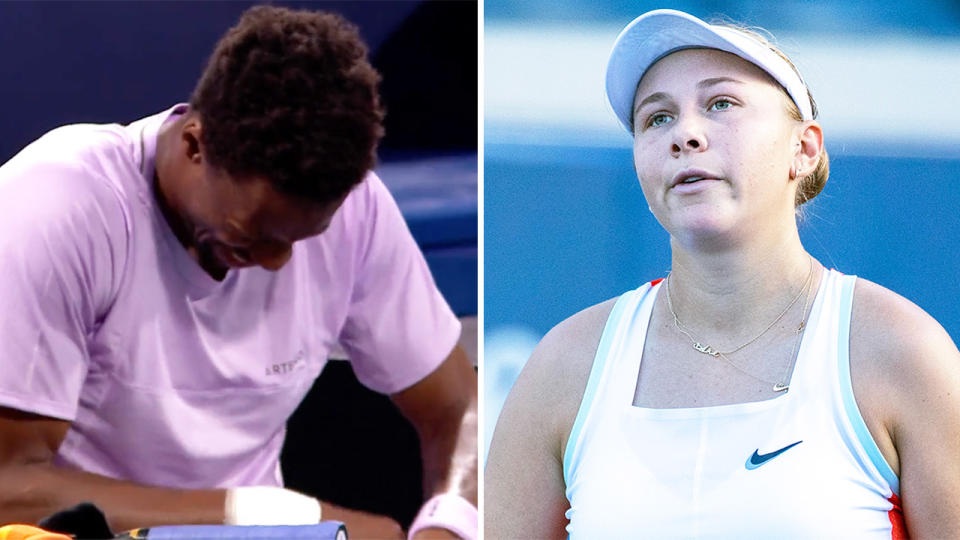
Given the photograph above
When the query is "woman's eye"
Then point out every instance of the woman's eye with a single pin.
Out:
(721, 105)
(658, 119)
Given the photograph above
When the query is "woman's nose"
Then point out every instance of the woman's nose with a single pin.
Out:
(689, 137)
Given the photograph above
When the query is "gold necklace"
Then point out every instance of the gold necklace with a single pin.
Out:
(707, 349)
(783, 384)
(778, 386)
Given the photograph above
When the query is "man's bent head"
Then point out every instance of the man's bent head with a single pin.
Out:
(290, 96)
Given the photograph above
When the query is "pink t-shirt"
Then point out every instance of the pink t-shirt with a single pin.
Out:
(168, 376)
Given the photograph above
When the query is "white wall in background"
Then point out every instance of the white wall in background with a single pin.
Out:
(545, 85)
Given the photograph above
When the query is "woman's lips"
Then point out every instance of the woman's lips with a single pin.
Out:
(692, 175)
(695, 187)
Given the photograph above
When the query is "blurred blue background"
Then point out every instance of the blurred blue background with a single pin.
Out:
(565, 222)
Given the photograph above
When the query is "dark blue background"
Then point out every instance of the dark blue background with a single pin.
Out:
(67, 62)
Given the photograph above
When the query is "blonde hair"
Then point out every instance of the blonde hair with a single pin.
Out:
(812, 184)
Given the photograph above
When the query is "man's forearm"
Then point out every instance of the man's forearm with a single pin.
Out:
(34, 491)
(450, 457)
(443, 409)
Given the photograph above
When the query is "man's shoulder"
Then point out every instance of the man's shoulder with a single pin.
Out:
(368, 222)
(79, 144)
(54, 191)
(364, 198)
(74, 161)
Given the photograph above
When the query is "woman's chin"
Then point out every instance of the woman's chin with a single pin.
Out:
(705, 229)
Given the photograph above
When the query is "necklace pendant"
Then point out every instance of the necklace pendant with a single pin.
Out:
(706, 349)
(780, 387)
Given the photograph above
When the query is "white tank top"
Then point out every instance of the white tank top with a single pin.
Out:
(801, 465)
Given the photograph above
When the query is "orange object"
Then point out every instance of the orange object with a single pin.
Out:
(29, 532)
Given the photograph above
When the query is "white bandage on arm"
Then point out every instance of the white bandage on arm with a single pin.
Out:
(269, 505)
(448, 511)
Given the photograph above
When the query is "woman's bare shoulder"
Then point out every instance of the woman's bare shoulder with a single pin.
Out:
(905, 371)
(574, 341)
(900, 358)
(894, 331)
(524, 474)
(559, 367)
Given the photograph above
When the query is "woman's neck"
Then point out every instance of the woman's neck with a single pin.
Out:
(735, 291)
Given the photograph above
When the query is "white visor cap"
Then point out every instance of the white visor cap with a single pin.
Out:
(657, 33)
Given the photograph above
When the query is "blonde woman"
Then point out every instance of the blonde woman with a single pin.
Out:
(752, 393)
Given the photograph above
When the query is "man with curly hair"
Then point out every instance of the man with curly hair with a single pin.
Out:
(172, 288)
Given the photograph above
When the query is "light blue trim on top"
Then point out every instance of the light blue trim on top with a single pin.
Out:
(596, 373)
(846, 389)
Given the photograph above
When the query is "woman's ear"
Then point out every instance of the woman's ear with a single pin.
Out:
(810, 138)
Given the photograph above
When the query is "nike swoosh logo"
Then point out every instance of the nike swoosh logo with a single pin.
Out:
(758, 459)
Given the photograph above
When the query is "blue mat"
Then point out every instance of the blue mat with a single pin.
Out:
(326, 530)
